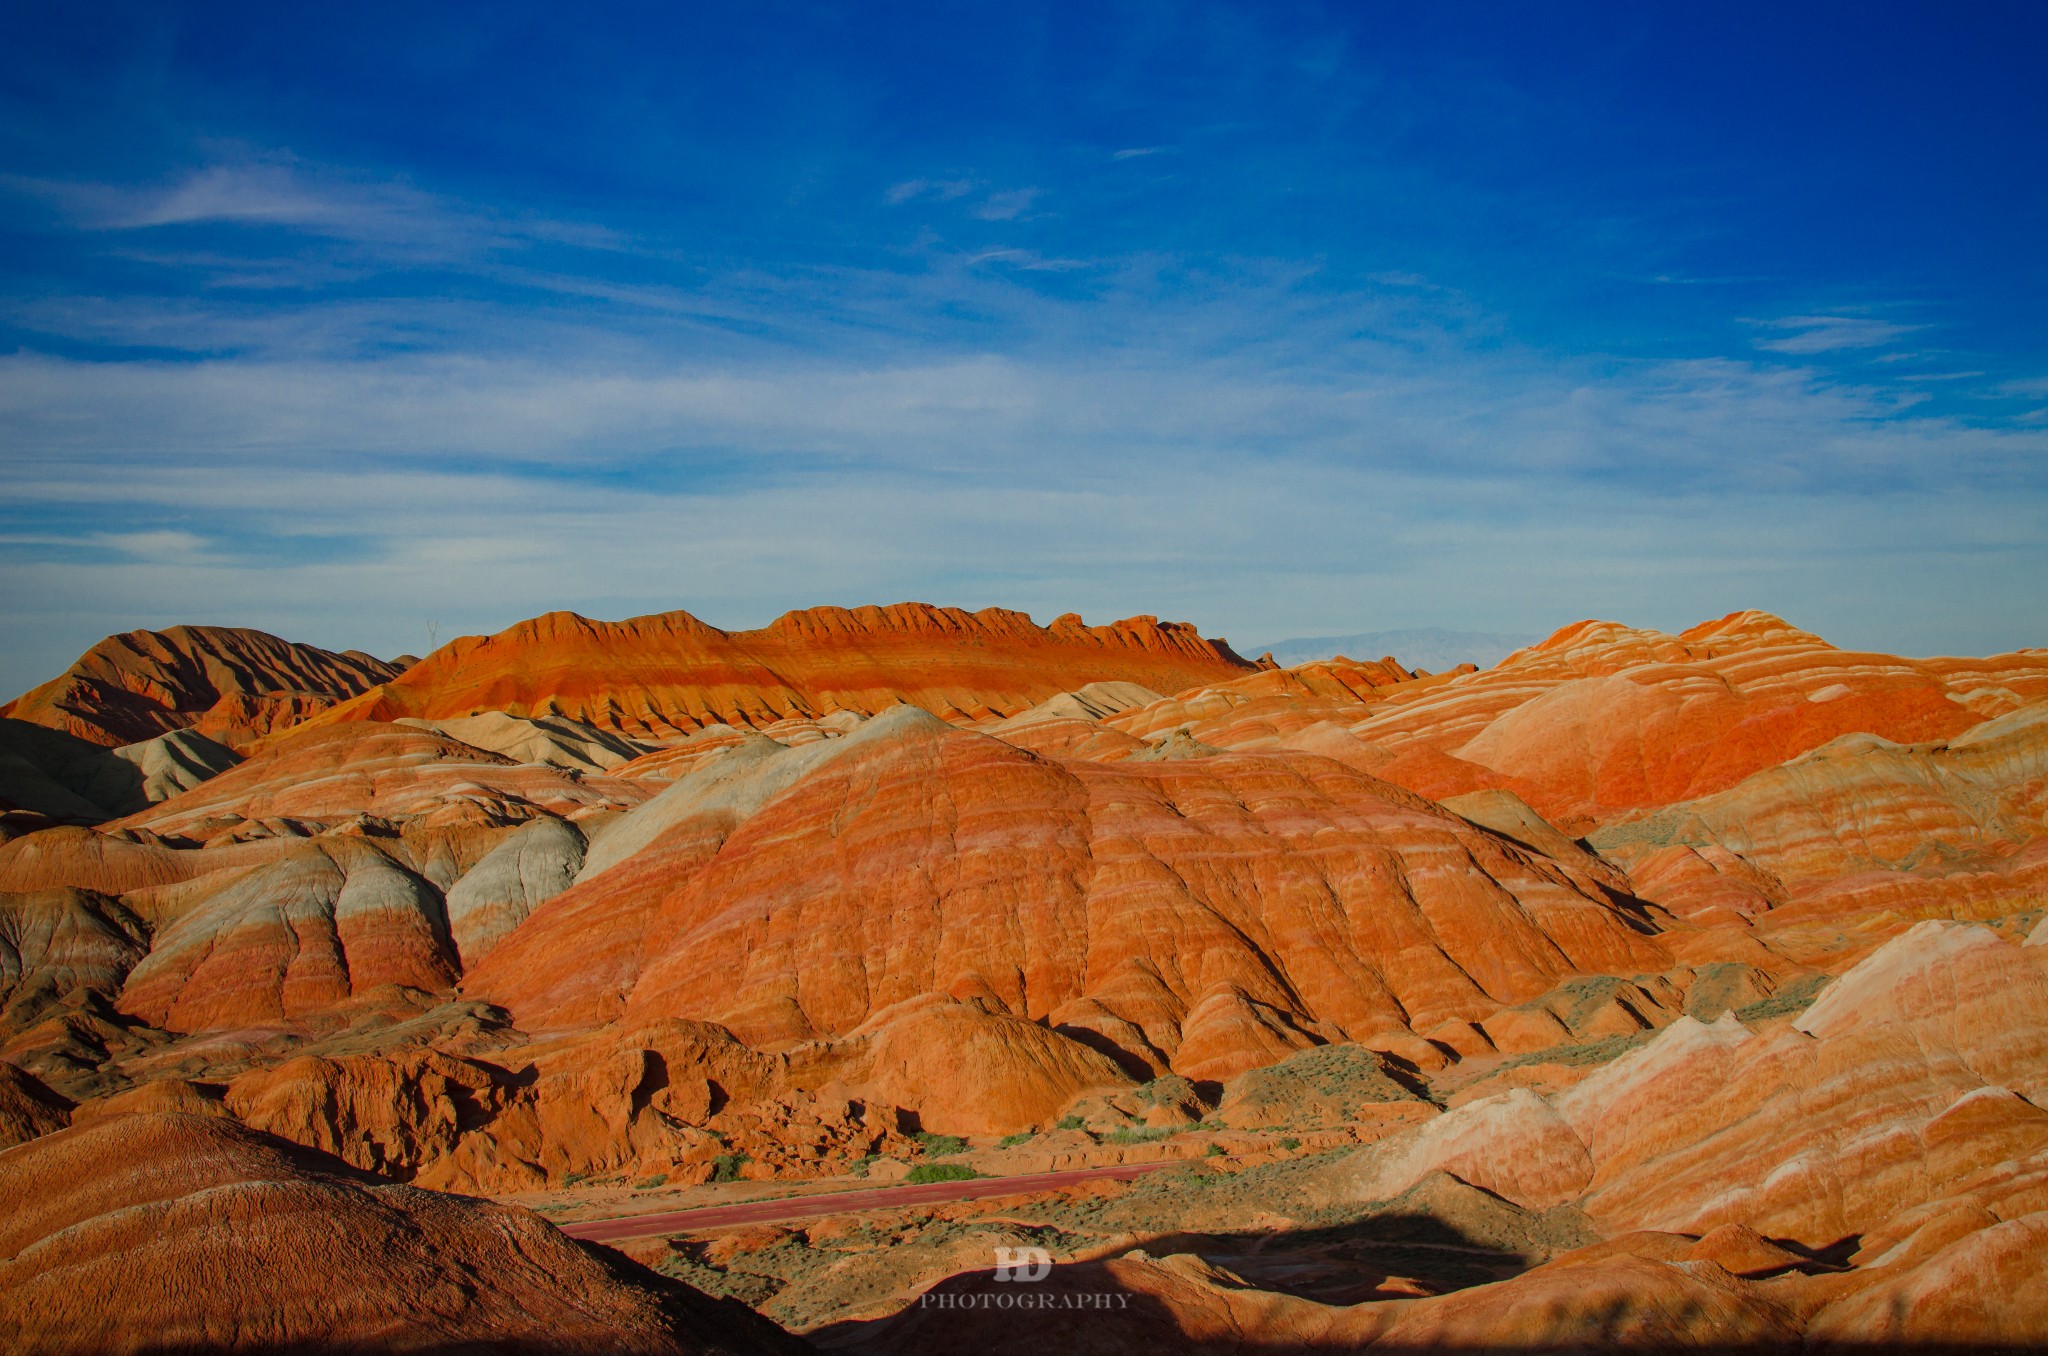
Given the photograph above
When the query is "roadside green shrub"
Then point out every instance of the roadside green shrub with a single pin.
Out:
(726, 1167)
(1072, 1123)
(1213, 1151)
(1290, 1144)
(1012, 1141)
(939, 1172)
(938, 1146)
(1139, 1134)
(659, 1179)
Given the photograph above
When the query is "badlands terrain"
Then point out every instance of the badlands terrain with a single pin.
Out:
(1639, 991)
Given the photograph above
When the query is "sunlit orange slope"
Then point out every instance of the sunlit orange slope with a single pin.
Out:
(669, 673)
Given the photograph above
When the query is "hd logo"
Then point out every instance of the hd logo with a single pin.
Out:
(1023, 1264)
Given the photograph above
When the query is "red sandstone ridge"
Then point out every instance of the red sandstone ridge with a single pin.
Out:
(229, 683)
(322, 776)
(1205, 915)
(154, 1233)
(1690, 1075)
(1946, 826)
(1894, 1129)
(668, 674)
(1601, 719)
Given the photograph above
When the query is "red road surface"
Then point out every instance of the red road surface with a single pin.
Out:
(843, 1202)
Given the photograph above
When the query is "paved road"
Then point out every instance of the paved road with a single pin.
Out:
(843, 1202)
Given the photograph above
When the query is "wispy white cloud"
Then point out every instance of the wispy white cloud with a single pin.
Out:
(1245, 442)
(1008, 204)
(1134, 152)
(994, 419)
(278, 194)
(246, 188)
(1030, 260)
(1804, 334)
(998, 205)
(1244, 547)
(160, 546)
(944, 190)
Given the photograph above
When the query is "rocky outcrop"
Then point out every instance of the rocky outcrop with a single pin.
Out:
(1915, 1071)
(327, 921)
(134, 1233)
(171, 764)
(1549, 1164)
(554, 740)
(1248, 710)
(1601, 719)
(961, 1069)
(1206, 915)
(1943, 819)
(78, 857)
(141, 684)
(667, 1098)
(389, 1114)
(661, 676)
(532, 866)
(29, 1109)
(323, 777)
(61, 777)
(940, 872)
(1096, 701)
(55, 944)
(1508, 815)
(635, 863)
(1329, 1085)
(69, 779)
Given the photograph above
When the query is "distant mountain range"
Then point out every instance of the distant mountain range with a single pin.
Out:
(1428, 647)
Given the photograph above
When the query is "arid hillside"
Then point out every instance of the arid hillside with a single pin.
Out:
(670, 674)
(231, 684)
(1660, 989)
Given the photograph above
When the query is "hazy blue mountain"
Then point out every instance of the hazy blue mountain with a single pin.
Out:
(1428, 647)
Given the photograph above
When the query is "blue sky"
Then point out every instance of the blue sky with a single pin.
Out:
(1284, 319)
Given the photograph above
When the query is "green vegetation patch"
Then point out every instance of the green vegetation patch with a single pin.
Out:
(940, 1172)
(1323, 1085)
(1166, 1090)
(750, 1288)
(1797, 996)
(1573, 1056)
(1141, 1134)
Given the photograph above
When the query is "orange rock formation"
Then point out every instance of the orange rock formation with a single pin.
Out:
(1204, 915)
(1894, 1118)
(669, 674)
(1600, 718)
(230, 683)
(324, 775)
(1710, 942)
(156, 1232)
